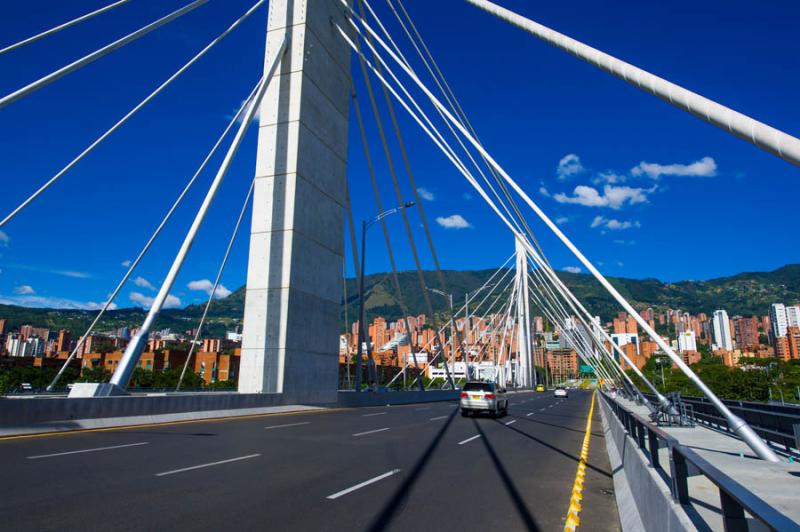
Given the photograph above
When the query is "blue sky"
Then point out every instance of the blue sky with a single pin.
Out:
(683, 199)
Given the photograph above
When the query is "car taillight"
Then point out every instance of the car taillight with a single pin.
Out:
(489, 396)
(463, 394)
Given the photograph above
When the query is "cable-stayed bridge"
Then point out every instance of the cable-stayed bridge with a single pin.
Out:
(551, 463)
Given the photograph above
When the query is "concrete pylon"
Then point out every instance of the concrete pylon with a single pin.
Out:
(525, 371)
(290, 341)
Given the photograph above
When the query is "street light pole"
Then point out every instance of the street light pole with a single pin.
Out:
(362, 335)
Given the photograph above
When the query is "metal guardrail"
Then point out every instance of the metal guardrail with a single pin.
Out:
(735, 498)
(774, 423)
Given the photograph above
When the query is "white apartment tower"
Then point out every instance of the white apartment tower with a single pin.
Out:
(722, 330)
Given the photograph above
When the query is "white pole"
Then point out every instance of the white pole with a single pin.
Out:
(133, 351)
(757, 133)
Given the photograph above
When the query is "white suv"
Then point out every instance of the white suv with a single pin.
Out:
(561, 392)
(483, 397)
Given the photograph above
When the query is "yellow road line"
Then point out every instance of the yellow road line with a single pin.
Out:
(573, 519)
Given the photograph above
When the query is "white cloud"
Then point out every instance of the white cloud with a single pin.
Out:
(568, 166)
(4, 239)
(467, 196)
(425, 194)
(561, 220)
(609, 177)
(612, 197)
(454, 221)
(613, 223)
(126, 264)
(705, 167)
(24, 290)
(544, 192)
(34, 301)
(572, 269)
(625, 242)
(147, 301)
(141, 282)
(204, 285)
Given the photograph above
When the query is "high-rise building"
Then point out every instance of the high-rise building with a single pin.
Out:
(793, 316)
(722, 331)
(793, 337)
(745, 332)
(777, 320)
(64, 340)
(687, 342)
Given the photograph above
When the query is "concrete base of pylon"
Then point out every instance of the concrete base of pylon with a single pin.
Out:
(96, 389)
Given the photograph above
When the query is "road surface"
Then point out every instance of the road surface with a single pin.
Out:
(412, 467)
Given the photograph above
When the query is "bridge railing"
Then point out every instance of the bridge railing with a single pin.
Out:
(774, 423)
(735, 499)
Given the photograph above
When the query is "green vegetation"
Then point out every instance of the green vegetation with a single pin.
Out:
(769, 375)
(746, 294)
(39, 378)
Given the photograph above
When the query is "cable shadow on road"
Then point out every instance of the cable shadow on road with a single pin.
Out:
(516, 498)
(397, 501)
(554, 448)
(531, 420)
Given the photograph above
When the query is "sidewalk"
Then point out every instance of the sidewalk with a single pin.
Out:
(778, 484)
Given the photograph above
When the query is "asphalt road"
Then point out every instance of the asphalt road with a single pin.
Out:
(415, 467)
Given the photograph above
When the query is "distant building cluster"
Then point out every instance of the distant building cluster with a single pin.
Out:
(490, 339)
(214, 359)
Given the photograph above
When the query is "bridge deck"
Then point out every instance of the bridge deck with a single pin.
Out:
(777, 484)
(305, 471)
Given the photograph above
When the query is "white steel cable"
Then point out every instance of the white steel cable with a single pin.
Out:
(63, 26)
(134, 349)
(216, 282)
(149, 243)
(736, 424)
(767, 138)
(129, 114)
(85, 60)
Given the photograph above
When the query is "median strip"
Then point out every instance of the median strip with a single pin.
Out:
(362, 484)
(572, 519)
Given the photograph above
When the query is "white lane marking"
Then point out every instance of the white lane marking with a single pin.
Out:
(421, 409)
(437, 418)
(529, 414)
(510, 422)
(211, 464)
(87, 450)
(469, 439)
(287, 425)
(541, 409)
(361, 485)
(375, 414)
(370, 432)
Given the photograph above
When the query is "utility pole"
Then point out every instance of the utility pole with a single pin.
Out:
(362, 336)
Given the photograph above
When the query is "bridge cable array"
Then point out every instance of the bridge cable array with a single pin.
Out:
(356, 22)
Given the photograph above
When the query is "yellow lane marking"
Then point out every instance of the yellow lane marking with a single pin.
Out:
(572, 520)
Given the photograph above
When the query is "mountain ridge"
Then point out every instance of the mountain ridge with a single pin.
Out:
(746, 293)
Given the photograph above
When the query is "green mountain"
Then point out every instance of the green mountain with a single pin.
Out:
(745, 294)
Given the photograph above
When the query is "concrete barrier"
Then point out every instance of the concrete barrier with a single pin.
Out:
(643, 499)
(32, 415)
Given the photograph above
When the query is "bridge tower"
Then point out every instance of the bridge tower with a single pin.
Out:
(525, 373)
(294, 278)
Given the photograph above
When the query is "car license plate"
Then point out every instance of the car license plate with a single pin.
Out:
(476, 396)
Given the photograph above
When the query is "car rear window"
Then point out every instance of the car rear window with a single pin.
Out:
(478, 386)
